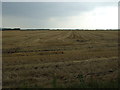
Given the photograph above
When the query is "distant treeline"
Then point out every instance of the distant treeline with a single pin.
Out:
(4, 29)
(8, 29)
(33, 29)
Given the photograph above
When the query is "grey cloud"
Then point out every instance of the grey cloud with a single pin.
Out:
(36, 14)
(42, 9)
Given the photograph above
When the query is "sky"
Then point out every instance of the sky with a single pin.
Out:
(78, 15)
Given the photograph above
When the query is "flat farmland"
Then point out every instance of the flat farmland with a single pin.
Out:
(46, 59)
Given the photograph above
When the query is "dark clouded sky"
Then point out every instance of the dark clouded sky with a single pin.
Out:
(90, 15)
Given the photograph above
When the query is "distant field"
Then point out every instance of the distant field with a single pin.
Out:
(59, 58)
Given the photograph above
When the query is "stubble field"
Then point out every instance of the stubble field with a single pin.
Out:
(44, 59)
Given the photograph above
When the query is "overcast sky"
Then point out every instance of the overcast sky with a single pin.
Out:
(83, 15)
